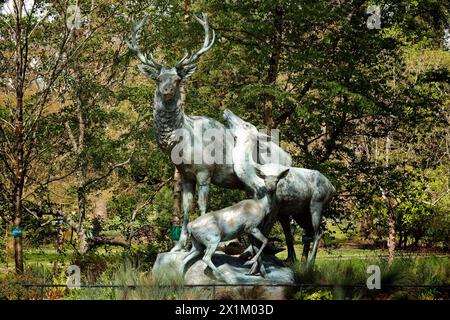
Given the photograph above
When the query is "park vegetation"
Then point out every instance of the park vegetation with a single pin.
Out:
(360, 95)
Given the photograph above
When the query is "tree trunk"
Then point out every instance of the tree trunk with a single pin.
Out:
(83, 244)
(18, 250)
(390, 207)
(400, 240)
(187, 7)
(82, 237)
(416, 241)
(60, 238)
(19, 163)
(176, 212)
(19, 179)
(18, 191)
(274, 60)
(7, 247)
(391, 242)
(81, 179)
(387, 149)
(6, 236)
(176, 209)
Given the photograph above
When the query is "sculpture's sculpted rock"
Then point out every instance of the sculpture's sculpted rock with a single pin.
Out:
(303, 194)
(233, 268)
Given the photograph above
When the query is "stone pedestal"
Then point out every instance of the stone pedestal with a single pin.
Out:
(234, 270)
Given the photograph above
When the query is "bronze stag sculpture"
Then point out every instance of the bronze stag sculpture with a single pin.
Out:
(177, 131)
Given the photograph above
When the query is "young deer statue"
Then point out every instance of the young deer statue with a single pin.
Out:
(304, 193)
(170, 119)
(209, 230)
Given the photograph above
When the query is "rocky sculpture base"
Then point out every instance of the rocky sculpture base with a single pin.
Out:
(236, 273)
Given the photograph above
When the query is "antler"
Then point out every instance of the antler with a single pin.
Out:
(189, 59)
(134, 48)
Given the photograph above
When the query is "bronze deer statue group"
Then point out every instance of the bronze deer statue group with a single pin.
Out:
(170, 120)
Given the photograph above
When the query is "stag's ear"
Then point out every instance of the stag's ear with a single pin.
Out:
(186, 71)
(283, 174)
(149, 71)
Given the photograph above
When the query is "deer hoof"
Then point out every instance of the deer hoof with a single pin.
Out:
(250, 262)
(177, 248)
(254, 269)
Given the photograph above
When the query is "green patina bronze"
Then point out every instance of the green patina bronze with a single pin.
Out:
(302, 193)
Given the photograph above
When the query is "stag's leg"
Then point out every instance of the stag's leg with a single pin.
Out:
(203, 182)
(258, 235)
(188, 189)
(306, 240)
(284, 221)
(316, 214)
(308, 232)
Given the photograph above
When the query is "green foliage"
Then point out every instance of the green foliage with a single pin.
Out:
(11, 288)
(3, 253)
(342, 274)
(318, 295)
(337, 91)
(92, 266)
(164, 286)
(144, 255)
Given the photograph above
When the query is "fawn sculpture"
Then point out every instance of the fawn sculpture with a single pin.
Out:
(303, 194)
(226, 224)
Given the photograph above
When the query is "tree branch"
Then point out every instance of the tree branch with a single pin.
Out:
(71, 137)
(114, 167)
(285, 115)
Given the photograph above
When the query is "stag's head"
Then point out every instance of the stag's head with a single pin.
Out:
(168, 79)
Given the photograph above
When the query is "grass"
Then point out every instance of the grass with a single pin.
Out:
(352, 253)
(338, 268)
(335, 253)
(137, 284)
(46, 256)
(404, 272)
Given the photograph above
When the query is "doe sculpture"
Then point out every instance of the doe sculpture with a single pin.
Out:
(303, 194)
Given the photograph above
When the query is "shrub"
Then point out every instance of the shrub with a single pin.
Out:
(319, 295)
(162, 286)
(92, 266)
(143, 255)
(3, 254)
(11, 287)
(407, 271)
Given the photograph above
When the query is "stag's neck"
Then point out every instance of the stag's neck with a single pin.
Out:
(168, 117)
